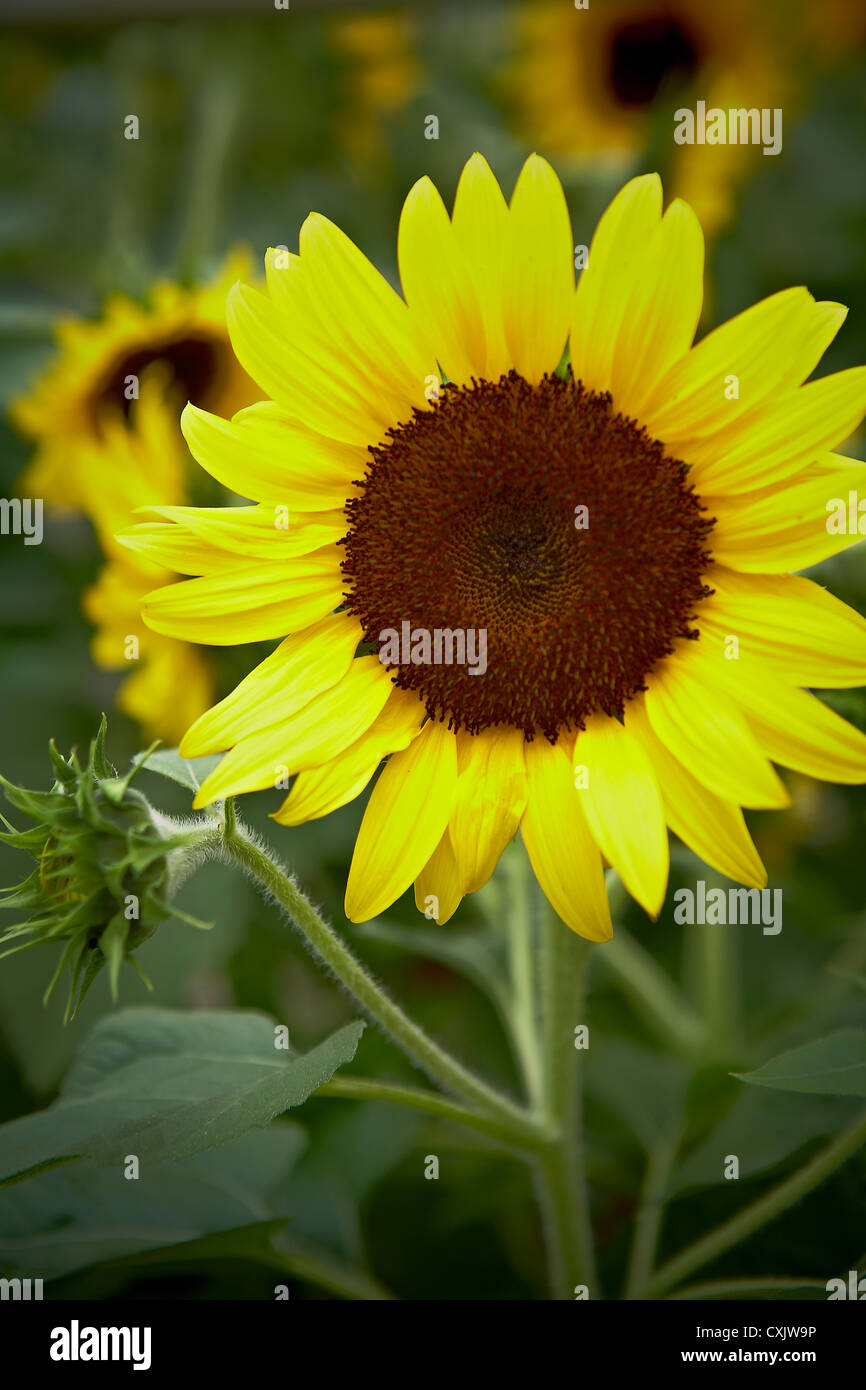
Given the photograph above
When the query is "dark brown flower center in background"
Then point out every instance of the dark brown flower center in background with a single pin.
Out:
(465, 520)
(196, 372)
(647, 53)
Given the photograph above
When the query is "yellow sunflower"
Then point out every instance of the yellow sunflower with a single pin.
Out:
(93, 377)
(170, 683)
(593, 84)
(621, 533)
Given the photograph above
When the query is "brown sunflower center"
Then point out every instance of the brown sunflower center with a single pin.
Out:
(646, 53)
(553, 546)
(196, 369)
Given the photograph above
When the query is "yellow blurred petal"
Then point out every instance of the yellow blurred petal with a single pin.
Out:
(404, 821)
(623, 808)
(713, 828)
(298, 671)
(564, 856)
(538, 272)
(706, 731)
(320, 730)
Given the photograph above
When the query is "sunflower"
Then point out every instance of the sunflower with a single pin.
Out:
(137, 462)
(620, 529)
(592, 84)
(90, 382)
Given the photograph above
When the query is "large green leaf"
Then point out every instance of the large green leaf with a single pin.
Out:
(833, 1066)
(83, 1215)
(161, 1084)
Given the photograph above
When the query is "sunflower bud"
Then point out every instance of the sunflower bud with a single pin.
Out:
(107, 865)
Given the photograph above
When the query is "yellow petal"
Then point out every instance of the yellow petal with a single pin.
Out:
(617, 257)
(298, 671)
(561, 849)
(480, 229)
(404, 821)
(438, 286)
(265, 455)
(778, 441)
(490, 800)
(320, 730)
(663, 309)
(713, 828)
(437, 888)
(791, 625)
(320, 790)
(248, 605)
(772, 344)
(706, 731)
(323, 393)
(623, 808)
(538, 273)
(793, 727)
(788, 528)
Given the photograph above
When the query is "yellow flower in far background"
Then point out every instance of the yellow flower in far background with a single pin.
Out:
(103, 449)
(382, 75)
(136, 463)
(93, 379)
(591, 83)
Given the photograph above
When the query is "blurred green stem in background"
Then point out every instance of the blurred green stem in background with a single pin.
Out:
(212, 132)
(561, 1168)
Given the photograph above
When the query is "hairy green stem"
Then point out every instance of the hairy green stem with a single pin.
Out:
(241, 847)
(766, 1208)
(430, 1102)
(522, 955)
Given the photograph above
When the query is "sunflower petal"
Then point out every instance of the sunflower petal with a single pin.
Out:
(404, 821)
(538, 271)
(490, 799)
(623, 808)
(561, 849)
(298, 671)
(438, 893)
(713, 828)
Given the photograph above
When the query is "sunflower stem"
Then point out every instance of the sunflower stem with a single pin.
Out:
(240, 846)
(430, 1102)
(561, 1168)
(519, 899)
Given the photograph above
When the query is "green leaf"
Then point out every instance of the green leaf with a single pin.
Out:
(833, 1066)
(763, 1130)
(188, 772)
(161, 1084)
(71, 1218)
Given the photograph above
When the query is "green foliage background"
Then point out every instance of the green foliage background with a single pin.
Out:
(341, 1182)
